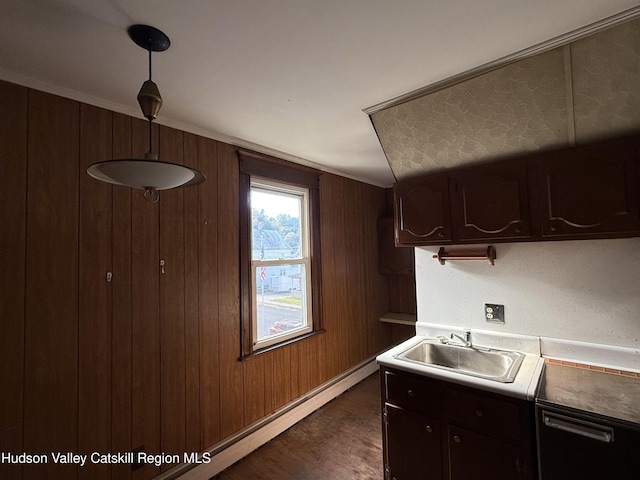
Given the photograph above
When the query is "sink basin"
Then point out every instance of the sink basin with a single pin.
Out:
(498, 365)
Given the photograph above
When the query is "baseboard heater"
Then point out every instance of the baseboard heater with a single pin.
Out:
(232, 449)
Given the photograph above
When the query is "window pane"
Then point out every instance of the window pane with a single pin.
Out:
(280, 300)
(276, 224)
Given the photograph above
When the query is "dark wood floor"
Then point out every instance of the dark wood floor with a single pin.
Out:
(340, 441)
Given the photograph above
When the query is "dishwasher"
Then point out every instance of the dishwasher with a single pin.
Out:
(587, 425)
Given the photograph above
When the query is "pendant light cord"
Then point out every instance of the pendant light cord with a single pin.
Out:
(150, 120)
(150, 133)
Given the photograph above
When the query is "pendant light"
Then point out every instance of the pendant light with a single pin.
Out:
(148, 174)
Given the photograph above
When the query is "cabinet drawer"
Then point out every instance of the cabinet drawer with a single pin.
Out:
(490, 414)
(418, 395)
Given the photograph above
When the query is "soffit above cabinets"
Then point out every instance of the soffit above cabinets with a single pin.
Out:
(585, 90)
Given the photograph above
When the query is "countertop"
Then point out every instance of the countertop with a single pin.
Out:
(610, 394)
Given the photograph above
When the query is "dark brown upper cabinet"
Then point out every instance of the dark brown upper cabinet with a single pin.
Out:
(392, 260)
(491, 202)
(577, 193)
(422, 215)
(588, 192)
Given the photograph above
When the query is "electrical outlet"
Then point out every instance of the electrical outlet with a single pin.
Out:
(494, 313)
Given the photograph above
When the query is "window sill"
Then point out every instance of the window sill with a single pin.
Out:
(284, 343)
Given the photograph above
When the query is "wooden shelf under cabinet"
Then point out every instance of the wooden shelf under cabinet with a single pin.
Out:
(399, 318)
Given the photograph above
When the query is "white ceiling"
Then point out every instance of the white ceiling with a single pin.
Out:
(286, 77)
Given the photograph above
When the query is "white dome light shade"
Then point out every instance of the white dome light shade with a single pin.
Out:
(145, 174)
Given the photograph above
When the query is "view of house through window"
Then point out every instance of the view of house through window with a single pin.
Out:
(280, 262)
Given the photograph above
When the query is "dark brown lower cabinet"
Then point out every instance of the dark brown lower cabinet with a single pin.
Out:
(436, 430)
(413, 445)
(474, 455)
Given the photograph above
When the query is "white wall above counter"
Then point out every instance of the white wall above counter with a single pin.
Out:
(584, 291)
(606, 356)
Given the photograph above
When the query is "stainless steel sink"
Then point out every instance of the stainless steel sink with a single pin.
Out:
(498, 365)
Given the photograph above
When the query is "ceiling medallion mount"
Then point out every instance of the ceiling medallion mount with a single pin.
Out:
(149, 38)
(148, 174)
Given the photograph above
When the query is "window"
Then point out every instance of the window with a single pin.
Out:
(280, 271)
(279, 262)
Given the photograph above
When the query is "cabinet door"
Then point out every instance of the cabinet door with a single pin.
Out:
(473, 455)
(490, 202)
(589, 191)
(392, 260)
(422, 211)
(413, 446)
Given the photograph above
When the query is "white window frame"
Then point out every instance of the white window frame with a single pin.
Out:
(304, 259)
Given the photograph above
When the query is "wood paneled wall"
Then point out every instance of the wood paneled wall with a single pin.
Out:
(149, 358)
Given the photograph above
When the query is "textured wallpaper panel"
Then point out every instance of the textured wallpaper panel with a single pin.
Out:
(518, 108)
(606, 82)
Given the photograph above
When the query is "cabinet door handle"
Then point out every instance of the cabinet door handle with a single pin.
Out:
(410, 393)
(457, 439)
(429, 429)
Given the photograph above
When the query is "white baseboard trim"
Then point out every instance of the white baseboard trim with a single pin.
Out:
(233, 449)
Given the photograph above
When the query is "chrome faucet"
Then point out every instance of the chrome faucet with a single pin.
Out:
(465, 338)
